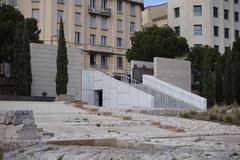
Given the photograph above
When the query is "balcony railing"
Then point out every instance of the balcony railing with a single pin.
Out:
(99, 11)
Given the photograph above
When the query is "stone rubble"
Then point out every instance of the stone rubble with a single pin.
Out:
(17, 124)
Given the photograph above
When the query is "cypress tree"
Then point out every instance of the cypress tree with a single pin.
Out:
(228, 82)
(18, 62)
(62, 62)
(237, 76)
(208, 82)
(219, 82)
(27, 61)
(21, 61)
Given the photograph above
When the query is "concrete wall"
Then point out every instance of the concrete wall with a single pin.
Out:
(115, 93)
(175, 92)
(173, 71)
(43, 61)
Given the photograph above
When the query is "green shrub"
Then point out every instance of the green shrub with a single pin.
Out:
(184, 115)
(193, 113)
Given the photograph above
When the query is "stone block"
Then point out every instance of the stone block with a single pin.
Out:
(19, 117)
(2, 117)
(21, 131)
(106, 113)
(2, 131)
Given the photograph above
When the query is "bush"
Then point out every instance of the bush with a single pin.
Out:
(228, 118)
(184, 114)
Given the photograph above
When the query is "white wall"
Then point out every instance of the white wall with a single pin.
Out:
(115, 93)
(175, 92)
(43, 62)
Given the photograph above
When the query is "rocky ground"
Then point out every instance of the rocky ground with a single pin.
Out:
(175, 138)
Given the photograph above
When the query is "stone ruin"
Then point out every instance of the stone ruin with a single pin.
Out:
(17, 124)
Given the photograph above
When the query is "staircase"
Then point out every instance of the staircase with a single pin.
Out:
(161, 100)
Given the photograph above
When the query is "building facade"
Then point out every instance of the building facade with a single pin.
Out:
(101, 29)
(210, 22)
(155, 15)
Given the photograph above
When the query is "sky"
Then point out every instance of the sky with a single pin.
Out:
(153, 2)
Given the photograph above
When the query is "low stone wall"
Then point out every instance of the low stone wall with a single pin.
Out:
(18, 124)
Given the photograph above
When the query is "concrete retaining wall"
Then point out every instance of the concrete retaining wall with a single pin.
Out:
(43, 60)
(115, 93)
(173, 71)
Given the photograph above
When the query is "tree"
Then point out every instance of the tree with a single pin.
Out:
(236, 45)
(33, 31)
(236, 54)
(197, 54)
(228, 82)
(9, 18)
(219, 81)
(21, 62)
(208, 82)
(62, 62)
(156, 42)
(237, 75)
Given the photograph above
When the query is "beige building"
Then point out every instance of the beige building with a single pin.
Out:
(155, 15)
(101, 29)
(210, 22)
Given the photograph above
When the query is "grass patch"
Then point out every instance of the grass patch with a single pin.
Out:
(224, 114)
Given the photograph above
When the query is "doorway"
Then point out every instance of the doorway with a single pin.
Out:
(99, 98)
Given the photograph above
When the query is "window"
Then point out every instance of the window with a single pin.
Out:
(132, 9)
(177, 30)
(236, 1)
(119, 25)
(177, 12)
(104, 61)
(92, 60)
(119, 43)
(92, 3)
(13, 2)
(216, 47)
(132, 27)
(236, 16)
(216, 28)
(120, 62)
(104, 40)
(103, 4)
(78, 2)
(35, 14)
(197, 10)
(60, 15)
(226, 32)
(197, 30)
(93, 21)
(197, 45)
(77, 18)
(92, 39)
(104, 23)
(215, 12)
(226, 14)
(236, 34)
(119, 5)
(60, 1)
(77, 37)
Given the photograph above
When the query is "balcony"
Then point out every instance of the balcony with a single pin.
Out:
(99, 11)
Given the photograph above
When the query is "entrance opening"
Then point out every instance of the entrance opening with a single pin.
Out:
(99, 98)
